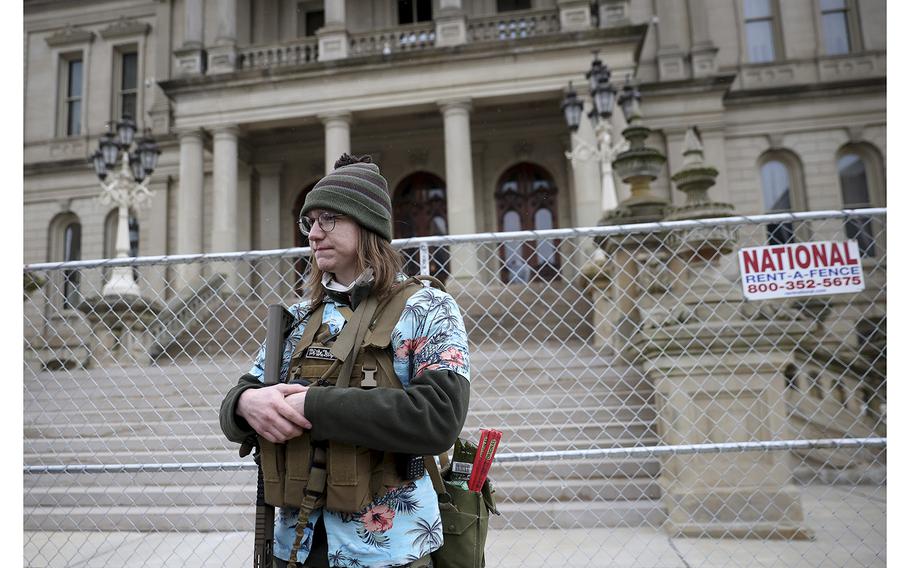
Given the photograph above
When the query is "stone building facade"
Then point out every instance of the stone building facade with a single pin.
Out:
(458, 100)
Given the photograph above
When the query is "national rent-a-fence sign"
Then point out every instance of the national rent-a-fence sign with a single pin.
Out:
(803, 269)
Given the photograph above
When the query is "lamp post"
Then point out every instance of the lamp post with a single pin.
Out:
(127, 188)
(603, 98)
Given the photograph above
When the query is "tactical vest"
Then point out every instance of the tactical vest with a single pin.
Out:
(356, 476)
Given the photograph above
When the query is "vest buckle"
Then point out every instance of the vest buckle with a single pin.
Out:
(369, 378)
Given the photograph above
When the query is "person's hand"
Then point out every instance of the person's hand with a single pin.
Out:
(269, 414)
(297, 401)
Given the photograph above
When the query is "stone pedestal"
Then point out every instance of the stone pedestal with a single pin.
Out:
(451, 30)
(333, 43)
(189, 61)
(723, 382)
(574, 15)
(222, 59)
(121, 325)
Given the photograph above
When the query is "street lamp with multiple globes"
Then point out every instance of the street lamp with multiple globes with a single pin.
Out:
(127, 188)
(604, 99)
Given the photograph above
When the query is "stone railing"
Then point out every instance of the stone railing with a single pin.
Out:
(403, 38)
(513, 25)
(296, 53)
(183, 315)
(413, 37)
(827, 396)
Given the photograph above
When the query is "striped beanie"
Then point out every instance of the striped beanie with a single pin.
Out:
(355, 188)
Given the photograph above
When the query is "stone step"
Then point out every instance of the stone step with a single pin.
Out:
(586, 408)
(188, 422)
(242, 494)
(505, 474)
(515, 438)
(241, 518)
(579, 514)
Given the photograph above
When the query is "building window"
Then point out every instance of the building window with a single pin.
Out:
(413, 11)
(72, 250)
(419, 210)
(759, 23)
(835, 26)
(526, 201)
(775, 183)
(71, 91)
(127, 85)
(309, 20)
(512, 5)
(854, 186)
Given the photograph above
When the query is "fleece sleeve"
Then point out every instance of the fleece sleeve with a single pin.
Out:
(424, 419)
(235, 428)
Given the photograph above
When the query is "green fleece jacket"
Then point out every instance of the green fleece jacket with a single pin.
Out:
(435, 404)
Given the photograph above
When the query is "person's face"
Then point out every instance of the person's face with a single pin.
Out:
(335, 250)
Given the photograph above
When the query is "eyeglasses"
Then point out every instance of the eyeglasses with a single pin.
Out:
(325, 219)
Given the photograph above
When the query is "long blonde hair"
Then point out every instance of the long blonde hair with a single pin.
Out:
(373, 251)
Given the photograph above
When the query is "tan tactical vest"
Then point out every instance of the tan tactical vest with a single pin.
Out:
(356, 476)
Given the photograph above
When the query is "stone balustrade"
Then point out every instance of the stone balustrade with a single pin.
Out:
(403, 38)
(413, 37)
(296, 53)
(514, 25)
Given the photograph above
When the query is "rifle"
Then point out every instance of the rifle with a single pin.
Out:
(277, 325)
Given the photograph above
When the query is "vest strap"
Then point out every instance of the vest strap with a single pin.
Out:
(309, 332)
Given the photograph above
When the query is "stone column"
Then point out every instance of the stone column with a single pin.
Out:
(671, 54)
(153, 240)
(188, 59)
(451, 28)
(460, 208)
(333, 37)
(269, 237)
(337, 137)
(224, 201)
(574, 15)
(704, 52)
(189, 207)
(223, 55)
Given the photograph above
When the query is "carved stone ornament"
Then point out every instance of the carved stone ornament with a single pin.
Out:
(125, 27)
(68, 36)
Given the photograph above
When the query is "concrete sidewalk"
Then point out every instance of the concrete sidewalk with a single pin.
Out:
(848, 521)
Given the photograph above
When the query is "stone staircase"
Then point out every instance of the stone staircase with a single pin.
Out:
(542, 396)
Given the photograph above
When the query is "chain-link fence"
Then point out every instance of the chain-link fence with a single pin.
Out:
(652, 417)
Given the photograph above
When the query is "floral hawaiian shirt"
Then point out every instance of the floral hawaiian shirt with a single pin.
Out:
(404, 524)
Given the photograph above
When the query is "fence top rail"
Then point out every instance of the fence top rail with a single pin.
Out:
(499, 237)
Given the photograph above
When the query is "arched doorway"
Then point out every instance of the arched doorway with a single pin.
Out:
(526, 201)
(302, 264)
(419, 210)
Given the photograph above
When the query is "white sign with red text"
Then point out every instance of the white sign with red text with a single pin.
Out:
(802, 269)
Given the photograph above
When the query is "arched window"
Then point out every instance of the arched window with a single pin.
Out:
(419, 210)
(110, 237)
(526, 201)
(780, 173)
(65, 245)
(72, 250)
(302, 264)
(856, 190)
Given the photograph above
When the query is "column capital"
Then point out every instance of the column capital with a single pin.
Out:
(190, 133)
(450, 105)
(336, 116)
(226, 131)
